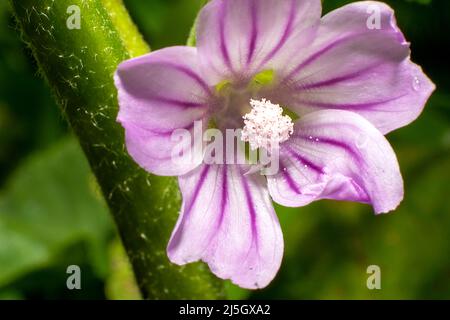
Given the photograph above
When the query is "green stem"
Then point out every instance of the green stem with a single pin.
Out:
(79, 65)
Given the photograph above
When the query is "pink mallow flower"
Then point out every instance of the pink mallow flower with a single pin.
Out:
(347, 78)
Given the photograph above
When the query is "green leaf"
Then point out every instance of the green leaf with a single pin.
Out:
(51, 202)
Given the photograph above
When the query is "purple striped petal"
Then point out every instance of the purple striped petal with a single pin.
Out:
(227, 220)
(238, 38)
(352, 67)
(336, 154)
(159, 93)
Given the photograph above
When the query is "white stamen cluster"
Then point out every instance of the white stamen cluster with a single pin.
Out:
(266, 126)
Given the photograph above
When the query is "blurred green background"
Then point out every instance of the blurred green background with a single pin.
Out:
(52, 214)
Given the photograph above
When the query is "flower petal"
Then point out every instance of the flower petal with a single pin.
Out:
(356, 68)
(336, 154)
(159, 93)
(238, 38)
(228, 221)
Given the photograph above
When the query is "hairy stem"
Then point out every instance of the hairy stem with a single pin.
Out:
(79, 66)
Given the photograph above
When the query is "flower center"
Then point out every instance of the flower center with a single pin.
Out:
(266, 126)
